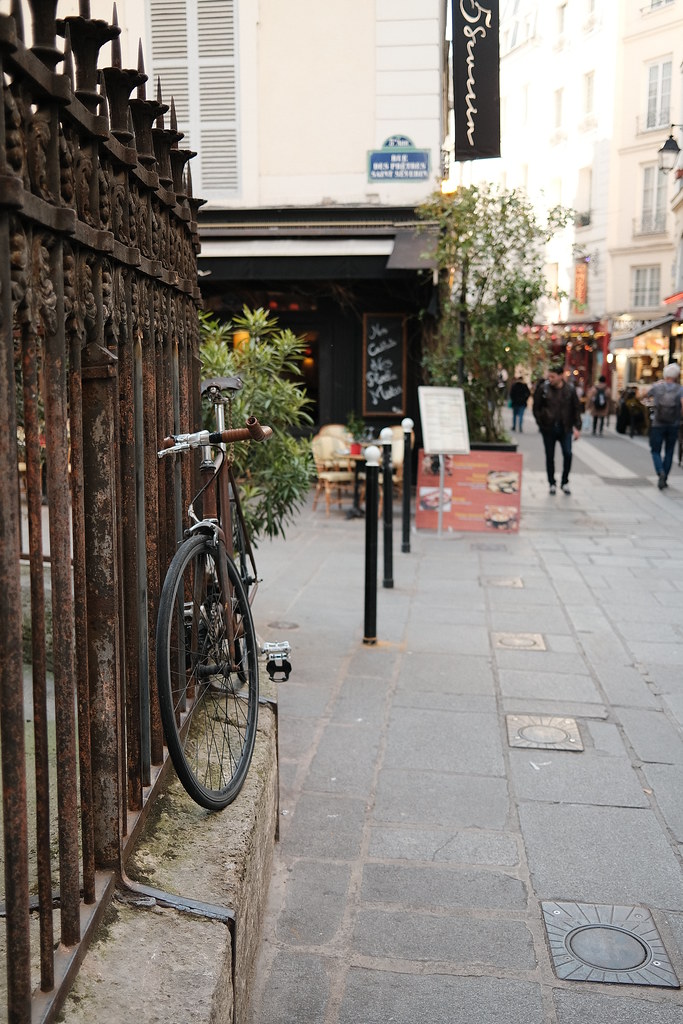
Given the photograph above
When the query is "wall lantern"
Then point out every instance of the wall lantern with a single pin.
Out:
(668, 154)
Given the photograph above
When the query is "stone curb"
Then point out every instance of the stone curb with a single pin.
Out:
(153, 964)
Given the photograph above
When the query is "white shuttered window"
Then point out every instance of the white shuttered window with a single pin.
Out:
(193, 52)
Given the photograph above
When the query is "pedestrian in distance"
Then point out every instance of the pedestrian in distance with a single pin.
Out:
(667, 405)
(519, 396)
(557, 410)
(598, 404)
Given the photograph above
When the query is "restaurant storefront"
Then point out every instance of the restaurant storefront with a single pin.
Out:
(325, 274)
(642, 348)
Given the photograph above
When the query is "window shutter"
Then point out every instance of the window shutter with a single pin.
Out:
(193, 52)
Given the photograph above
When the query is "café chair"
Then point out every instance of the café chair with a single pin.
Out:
(335, 476)
(336, 430)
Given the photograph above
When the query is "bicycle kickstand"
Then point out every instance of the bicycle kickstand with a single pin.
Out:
(278, 665)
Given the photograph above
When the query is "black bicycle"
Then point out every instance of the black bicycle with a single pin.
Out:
(207, 655)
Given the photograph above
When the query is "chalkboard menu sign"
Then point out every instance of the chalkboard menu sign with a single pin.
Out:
(384, 364)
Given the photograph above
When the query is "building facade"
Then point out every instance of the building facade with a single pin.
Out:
(589, 91)
(642, 241)
(318, 131)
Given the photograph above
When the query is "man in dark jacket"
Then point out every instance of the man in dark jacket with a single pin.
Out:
(557, 411)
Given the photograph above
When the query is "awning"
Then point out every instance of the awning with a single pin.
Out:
(286, 248)
(655, 325)
(413, 250)
(626, 340)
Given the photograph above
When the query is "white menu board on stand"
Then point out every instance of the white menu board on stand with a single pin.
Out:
(444, 421)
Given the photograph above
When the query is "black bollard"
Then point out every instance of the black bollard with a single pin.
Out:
(407, 425)
(371, 503)
(386, 437)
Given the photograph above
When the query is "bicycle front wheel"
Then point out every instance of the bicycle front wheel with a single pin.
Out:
(207, 674)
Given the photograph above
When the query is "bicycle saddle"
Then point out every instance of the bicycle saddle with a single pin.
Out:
(221, 384)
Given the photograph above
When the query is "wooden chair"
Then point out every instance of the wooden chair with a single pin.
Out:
(397, 459)
(336, 430)
(335, 475)
(397, 455)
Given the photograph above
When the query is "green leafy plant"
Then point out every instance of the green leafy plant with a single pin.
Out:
(274, 477)
(356, 426)
(490, 256)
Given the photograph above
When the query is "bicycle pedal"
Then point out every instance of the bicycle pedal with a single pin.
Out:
(278, 665)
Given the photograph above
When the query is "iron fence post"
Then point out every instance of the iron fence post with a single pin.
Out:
(99, 378)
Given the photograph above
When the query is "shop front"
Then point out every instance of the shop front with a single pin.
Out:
(581, 347)
(355, 284)
(641, 352)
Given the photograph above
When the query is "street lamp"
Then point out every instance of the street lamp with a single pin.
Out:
(668, 154)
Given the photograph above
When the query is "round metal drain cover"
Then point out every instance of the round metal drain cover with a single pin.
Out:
(544, 734)
(283, 625)
(608, 949)
(519, 641)
(607, 942)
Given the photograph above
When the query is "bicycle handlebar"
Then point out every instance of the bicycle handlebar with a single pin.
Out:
(253, 431)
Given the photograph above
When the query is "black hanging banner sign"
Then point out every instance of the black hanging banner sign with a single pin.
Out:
(476, 79)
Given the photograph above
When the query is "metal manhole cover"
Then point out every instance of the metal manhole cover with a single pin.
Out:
(283, 625)
(605, 943)
(505, 581)
(545, 732)
(519, 641)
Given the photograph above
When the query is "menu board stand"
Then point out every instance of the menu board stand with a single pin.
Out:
(477, 490)
(444, 430)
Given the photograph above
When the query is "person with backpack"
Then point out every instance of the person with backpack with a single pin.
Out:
(519, 396)
(667, 405)
(598, 404)
(557, 410)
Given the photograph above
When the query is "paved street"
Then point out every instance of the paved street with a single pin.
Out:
(429, 869)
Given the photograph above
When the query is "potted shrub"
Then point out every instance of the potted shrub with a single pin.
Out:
(275, 477)
(356, 428)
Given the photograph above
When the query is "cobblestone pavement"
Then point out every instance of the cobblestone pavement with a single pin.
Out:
(429, 868)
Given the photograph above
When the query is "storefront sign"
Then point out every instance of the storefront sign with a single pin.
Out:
(384, 364)
(481, 492)
(580, 287)
(476, 77)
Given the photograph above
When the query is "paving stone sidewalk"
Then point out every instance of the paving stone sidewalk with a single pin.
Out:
(427, 869)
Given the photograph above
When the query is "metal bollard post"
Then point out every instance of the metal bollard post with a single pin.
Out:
(386, 436)
(407, 425)
(371, 486)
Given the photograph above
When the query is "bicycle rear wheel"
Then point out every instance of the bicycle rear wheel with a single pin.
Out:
(208, 685)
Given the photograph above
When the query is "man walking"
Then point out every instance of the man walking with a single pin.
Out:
(667, 400)
(557, 411)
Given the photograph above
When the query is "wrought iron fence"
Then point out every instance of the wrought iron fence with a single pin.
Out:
(99, 358)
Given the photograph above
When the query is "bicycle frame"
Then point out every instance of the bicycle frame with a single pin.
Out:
(220, 499)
